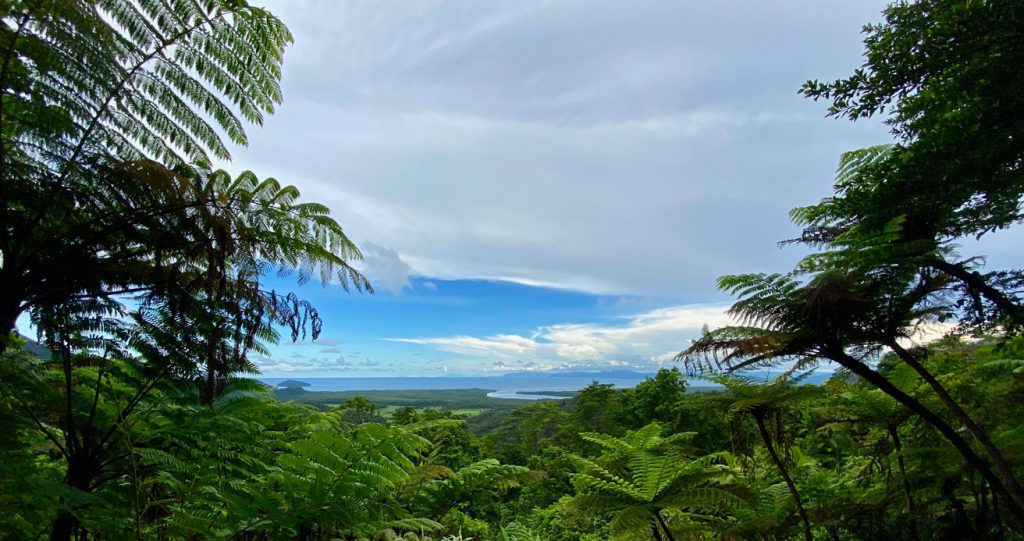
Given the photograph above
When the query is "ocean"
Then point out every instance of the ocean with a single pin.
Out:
(510, 386)
(506, 386)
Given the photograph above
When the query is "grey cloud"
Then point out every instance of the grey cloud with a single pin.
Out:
(337, 364)
(616, 148)
(385, 267)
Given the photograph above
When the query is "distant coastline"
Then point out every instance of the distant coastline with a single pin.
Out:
(516, 385)
(522, 386)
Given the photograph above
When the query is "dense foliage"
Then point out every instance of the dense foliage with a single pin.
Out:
(707, 464)
(130, 419)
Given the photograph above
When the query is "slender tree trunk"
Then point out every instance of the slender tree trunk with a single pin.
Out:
(66, 525)
(1014, 509)
(983, 508)
(979, 433)
(656, 532)
(213, 363)
(894, 434)
(995, 510)
(209, 389)
(759, 418)
(668, 533)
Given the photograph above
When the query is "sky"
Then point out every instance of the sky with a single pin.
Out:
(550, 185)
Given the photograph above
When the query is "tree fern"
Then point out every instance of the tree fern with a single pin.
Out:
(103, 107)
(641, 475)
(165, 80)
(472, 487)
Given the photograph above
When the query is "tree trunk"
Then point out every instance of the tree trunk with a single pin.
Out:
(1015, 510)
(209, 388)
(973, 427)
(656, 532)
(664, 526)
(66, 525)
(894, 434)
(983, 509)
(759, 418)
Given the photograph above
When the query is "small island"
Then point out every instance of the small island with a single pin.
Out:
(292, 385)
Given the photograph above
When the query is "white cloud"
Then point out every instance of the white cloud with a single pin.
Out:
(644, 341)
(641, 340)
(502, 345)
(302, 365)
(930, 331)
(665, 357)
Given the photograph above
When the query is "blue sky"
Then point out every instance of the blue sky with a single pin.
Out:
(471, 327)
(543, 185)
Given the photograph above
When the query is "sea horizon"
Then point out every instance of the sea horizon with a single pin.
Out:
(500, 386)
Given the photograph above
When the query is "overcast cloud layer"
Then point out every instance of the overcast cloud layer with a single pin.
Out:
(641, 147)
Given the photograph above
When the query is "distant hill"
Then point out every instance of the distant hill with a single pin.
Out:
(37, 349)
(816, 378)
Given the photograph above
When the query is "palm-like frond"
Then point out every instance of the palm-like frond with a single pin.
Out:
(519, 532)
(473, 483)
(643, 473)
(782, 318)
(134, 78)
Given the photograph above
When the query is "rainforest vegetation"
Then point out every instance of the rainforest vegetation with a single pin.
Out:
(141, 269)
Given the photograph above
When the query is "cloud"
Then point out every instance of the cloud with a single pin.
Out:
(927, 332)
(624, 302)
(604, 147)
(385, 267)
(322, 341)
(502, 345)
(318, 365)
(331, 349)
(641, 340)
(665, 357)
